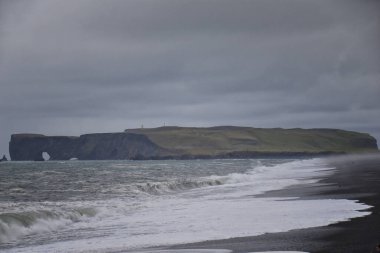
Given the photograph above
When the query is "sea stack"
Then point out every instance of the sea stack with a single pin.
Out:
(4, 159)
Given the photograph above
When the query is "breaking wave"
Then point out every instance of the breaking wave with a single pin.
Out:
(261, 172)
(141, 213)
(15, 225)
(157, 188)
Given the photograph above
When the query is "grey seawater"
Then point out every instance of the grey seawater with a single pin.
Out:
(66, 192)
(79, 206)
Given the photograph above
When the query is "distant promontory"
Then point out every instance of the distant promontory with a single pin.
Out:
(191, 143)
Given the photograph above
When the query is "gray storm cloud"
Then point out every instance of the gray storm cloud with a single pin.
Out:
(72, 67)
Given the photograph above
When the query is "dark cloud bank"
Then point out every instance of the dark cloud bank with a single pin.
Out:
(73, 67)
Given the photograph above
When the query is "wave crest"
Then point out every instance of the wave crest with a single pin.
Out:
(157, 188)
(15, 225)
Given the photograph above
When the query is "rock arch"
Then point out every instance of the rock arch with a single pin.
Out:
(45, 156)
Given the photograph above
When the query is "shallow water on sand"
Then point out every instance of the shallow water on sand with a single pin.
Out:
(208, 251)
(114, 206)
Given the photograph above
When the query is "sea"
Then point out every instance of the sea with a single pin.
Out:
(146, 206)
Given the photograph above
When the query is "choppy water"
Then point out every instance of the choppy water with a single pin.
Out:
(109, 206)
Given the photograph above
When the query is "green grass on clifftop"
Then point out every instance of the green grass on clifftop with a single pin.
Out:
(226, 139)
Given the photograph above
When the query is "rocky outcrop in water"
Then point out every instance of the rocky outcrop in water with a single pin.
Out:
(107, 146)
(191, 143)
(4, 159)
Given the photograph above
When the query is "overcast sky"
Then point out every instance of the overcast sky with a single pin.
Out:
(81, 66)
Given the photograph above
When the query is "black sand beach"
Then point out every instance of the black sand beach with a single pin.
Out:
(355, 177)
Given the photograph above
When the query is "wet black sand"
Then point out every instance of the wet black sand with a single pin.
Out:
(357, 178)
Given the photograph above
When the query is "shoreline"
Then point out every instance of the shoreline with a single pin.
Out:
(355, 177)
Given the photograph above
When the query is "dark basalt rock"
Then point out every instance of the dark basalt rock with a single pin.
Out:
(192, 143)
(115, 146)
(108, 146)
(29, 147)
(4, 159)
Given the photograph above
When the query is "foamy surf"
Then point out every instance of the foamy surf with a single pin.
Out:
(16, 225)
(279, 252)
(208, 251)
(151, 204)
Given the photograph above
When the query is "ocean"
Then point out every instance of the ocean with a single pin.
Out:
(127, 206)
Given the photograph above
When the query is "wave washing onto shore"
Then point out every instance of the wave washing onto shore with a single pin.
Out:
(16, 225)
(208, 251)
(108, 206)
(258, 171)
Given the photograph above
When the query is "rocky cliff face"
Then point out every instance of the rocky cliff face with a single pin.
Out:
(108, 146)
(29, 147)
(115, 146)
(191, 143)
(233, 141)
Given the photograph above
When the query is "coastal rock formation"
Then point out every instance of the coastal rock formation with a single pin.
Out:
(191, 143)
(4, 159)
(24, 147)
(107, 146)
(115, 146)
(246, 142)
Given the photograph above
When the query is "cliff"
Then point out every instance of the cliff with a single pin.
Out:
(107, 146)
(243, 142)
(190, 142)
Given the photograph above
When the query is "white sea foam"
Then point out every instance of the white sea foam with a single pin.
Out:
(263, 178)
(197, 210)
(207, 251)
(279, 252)
(16, 225)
